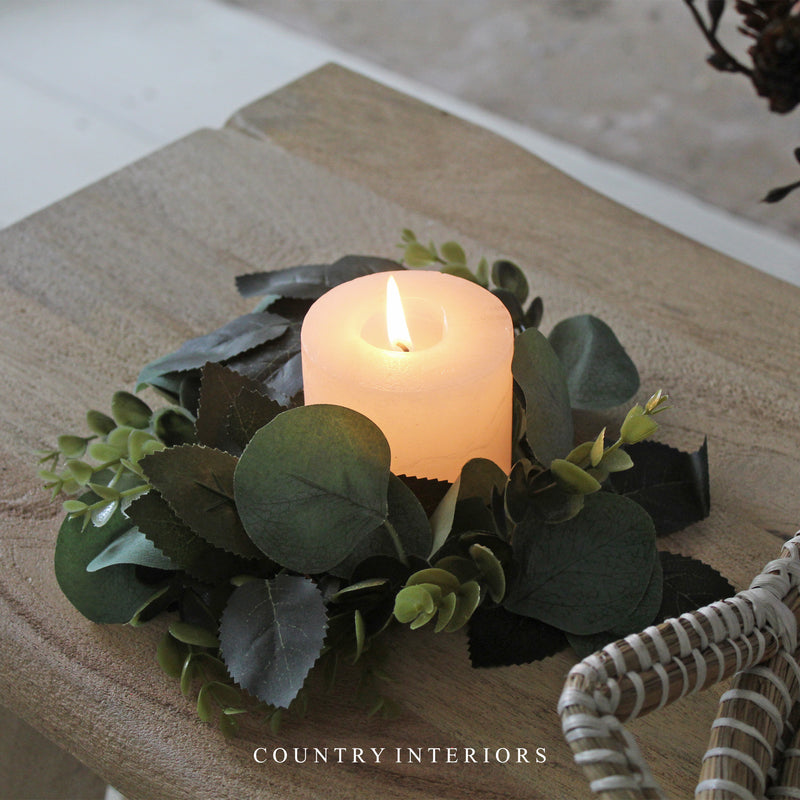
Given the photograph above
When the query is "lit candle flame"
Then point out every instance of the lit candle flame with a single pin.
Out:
(396, 325)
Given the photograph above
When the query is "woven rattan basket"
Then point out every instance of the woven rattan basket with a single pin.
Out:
(754, 750)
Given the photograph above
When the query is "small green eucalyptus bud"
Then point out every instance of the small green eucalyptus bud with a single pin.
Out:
(72, 446)
(637, 426)
(100, 423)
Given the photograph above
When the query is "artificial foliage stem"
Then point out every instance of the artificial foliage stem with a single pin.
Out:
(398, 545)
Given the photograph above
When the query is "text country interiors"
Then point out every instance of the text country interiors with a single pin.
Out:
(400, 755)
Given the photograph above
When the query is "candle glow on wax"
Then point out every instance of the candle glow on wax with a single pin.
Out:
(440, 389)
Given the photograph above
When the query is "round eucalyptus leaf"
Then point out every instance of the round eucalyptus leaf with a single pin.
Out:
(600, 374)
(312, 484)
(584, 575)
(410, 524)
(113, 594)
(507, 275)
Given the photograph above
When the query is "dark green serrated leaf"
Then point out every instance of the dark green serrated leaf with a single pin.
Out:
(548, 417)
(173, 426)
(178, 542)
(110, 595)
(671, 485)
(250, 411)
(276, 366)
(689, 584)
(197, 483)
(131, 547)
(583, 575)
(235, 337)
(311, 281)
(219, 387)
(599, 373)
(271, 634)
(409, 520)
(499, 638)
(312, 484)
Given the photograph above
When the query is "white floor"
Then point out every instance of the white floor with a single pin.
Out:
(89, 85)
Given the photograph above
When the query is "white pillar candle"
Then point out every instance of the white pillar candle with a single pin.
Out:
(442, 398)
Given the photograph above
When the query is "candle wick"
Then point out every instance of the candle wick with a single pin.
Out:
(402, 346)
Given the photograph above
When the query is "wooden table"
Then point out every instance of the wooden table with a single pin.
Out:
(126, 269)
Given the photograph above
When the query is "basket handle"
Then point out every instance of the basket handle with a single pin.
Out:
(651, 669)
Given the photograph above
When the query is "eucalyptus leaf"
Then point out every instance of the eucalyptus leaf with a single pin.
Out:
(646, 610)
(132, 547)
(548, 417)
(127, 409)
(600, 374)
(271, 634)
(235, 337)
(478, 479)
(72, 446)
(534, 314)
(583, 575)
(407, 518)
(110, 595)
(311, 281)
(512, 304)
(460, 271)
(312, 484)
(453, 253)
(507, 275)
(99, 423)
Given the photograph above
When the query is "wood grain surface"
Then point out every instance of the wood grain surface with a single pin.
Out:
(125, 270)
